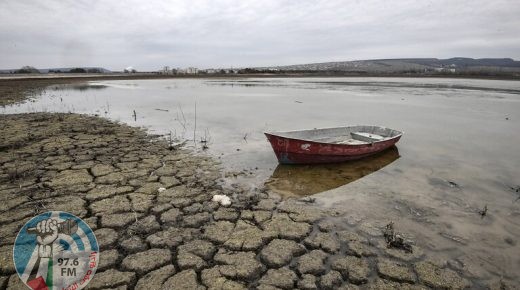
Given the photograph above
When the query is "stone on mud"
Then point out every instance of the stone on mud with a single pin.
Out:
(166, 171)
(355, 269)
(312, 263)
(145, 226)
(280, 252)
(71, 177)
(6, 260)
(348, 236)
(109, 259)
(266, 204)
(416, 253)
(246, 237)
(116, 204)
(119, 220)
(102, 192)
(331, 280)
(146, 261)
(282, 226)
(359, 249)
(169, 181)
(381, 284)
(111, 278)
(187, 260)
(133, 244)
(149, 188)
(436, 277)
(201, 248)
(196, 220)
(243, 264)
(219, 232)
(172, 237)
(178, 202)
(106, 237)
(226, 214)
(326, 241)
(161, 208)
(155, 279)
(112, 178)
(171, 216)
(141, 202)
(282, 278)
(213, 279)
(186, 279)
(393, 270)
(307, 282)
(3, 282)
(193, 208)
(101, 169)
(326, 225)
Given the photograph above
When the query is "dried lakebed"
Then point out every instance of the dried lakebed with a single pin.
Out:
(109, 175)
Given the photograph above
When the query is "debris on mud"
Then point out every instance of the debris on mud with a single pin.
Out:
(517, 191)
(308, 199)
(395, 240)
(453, 184)
(483, 211)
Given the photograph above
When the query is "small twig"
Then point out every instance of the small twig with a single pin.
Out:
(195, 126)
(135, 116)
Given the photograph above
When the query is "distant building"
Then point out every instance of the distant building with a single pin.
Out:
(167, 71)
(192, 71)
(445, 69)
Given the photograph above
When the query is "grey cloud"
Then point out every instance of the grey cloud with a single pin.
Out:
(150, 34)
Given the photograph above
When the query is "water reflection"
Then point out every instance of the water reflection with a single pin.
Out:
(372, 85)
(301, 180)
(80, 87)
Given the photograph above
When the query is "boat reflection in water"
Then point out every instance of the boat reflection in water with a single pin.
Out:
(302, 180)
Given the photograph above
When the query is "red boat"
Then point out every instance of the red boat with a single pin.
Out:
(331, 144)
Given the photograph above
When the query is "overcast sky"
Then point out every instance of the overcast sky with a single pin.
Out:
(150, 34)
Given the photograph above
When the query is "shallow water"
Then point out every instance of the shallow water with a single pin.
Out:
(458, 154)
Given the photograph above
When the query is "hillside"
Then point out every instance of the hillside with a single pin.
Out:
(457, 64)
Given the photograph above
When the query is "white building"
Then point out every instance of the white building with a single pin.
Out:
(192, 70)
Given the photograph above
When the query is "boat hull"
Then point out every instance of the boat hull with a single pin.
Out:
(295, 151)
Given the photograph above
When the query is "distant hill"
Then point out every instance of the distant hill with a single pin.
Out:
(456, 64)
(62, 70)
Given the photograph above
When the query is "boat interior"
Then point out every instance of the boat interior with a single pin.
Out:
(355, 135)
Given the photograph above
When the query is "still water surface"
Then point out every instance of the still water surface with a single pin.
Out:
(460, 150)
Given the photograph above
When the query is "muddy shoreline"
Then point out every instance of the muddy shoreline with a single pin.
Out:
(109, 174)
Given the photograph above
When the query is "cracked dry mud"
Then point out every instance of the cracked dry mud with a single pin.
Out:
(109, 175)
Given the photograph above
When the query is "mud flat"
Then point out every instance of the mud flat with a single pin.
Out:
(17, 88)
(109, 174)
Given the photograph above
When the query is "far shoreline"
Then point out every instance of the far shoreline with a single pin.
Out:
(16, 88)
(330, 74)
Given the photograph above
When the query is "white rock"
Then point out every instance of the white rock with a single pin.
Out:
(161, 189)
(222, 199)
